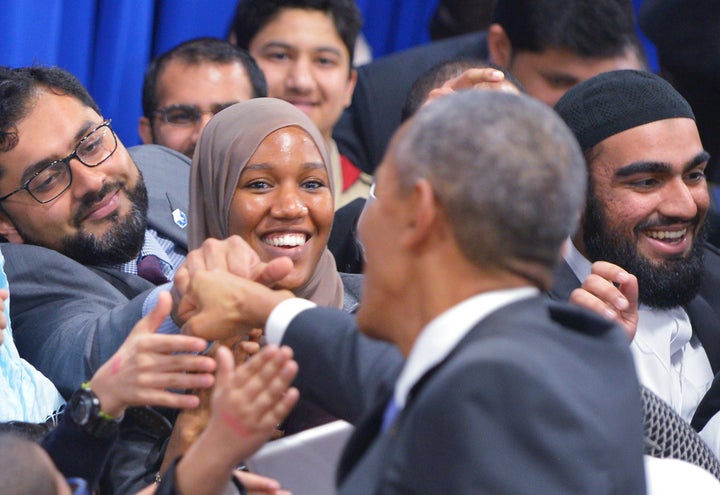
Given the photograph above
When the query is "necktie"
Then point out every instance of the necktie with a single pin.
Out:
(391, 412)
(150, 269)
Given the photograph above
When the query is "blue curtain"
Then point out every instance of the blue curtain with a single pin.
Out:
(108, 43)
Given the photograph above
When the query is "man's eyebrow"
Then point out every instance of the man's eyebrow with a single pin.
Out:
(37, 166)
(331, 49)
(653, 167)
(276, 44)
(699, 159)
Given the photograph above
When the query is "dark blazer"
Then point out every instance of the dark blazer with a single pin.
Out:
(539, 397)
(703, 311)
(366, 126)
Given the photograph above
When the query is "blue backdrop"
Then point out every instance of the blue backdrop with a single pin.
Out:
(108, 43)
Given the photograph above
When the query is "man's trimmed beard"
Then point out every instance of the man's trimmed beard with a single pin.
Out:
(669, 283)
(123, 240)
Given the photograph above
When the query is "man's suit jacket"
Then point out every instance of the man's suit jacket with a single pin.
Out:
(539, 397)
(704, 313)
(366, 126)
(67, 318)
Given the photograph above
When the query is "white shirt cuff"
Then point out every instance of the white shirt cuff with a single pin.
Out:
(282, 315)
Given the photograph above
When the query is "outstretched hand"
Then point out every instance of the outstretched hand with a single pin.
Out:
(232, 255)
(225, 305)
(247, 403)
(148, 364)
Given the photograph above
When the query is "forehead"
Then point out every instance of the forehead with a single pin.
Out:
(671, 141)
(300, 28)
(564, 61)
(204, 80)
(291, 142)
(50, 130)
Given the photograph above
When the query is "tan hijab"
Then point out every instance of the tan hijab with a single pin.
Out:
(221, 154)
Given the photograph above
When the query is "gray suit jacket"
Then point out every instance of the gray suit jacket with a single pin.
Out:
(539, 397)
(67, 318)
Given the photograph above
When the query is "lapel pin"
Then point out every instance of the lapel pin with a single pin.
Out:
(180, 218)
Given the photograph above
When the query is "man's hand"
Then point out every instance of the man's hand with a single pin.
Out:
(231, 255)
(478, 78)
(612, 292)
(225, 305)
(148, 364)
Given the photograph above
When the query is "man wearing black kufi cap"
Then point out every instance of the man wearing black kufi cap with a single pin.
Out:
(645, 213)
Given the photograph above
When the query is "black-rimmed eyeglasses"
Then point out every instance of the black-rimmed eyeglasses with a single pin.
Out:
(187, 115)
(54, 178)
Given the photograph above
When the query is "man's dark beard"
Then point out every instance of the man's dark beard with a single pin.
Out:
(121, 243)
(667, 284)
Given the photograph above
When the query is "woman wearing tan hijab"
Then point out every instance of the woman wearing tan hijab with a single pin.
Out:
(260, 170)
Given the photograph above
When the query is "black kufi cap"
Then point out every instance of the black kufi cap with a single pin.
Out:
(616, 101)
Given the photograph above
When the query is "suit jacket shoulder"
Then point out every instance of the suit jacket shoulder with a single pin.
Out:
(534, 380)
(167, 178)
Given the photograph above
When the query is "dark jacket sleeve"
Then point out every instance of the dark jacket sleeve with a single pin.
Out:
(77, 454)
(341, 370)
(167, 484)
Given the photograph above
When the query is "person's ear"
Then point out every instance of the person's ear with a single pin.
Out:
(422, 211)
(8, 230)
(352, 81)
(499, 46)
(145, 130)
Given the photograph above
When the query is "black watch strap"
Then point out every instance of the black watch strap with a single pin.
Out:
(84, 410)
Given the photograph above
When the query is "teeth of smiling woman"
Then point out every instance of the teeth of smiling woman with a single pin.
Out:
(662, 235)
(286, 240)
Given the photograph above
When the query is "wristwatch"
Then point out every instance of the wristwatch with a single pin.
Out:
(84, 410)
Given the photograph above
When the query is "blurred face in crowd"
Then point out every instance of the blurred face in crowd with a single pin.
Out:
(547, 75)
(283, 205)
(306, 63)
(99, 214)
(646, 208)
(188, 96)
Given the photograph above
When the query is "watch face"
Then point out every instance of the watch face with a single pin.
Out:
(81, 408)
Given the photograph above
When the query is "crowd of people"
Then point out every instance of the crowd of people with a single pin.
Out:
(485, 254)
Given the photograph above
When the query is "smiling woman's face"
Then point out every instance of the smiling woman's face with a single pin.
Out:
(283, 205)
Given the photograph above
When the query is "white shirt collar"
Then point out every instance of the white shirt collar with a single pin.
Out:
(442, 334)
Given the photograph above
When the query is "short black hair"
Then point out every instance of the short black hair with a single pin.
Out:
(439, 74)
(252, 15)
(18, 88)
(195, 52)
(588, 28)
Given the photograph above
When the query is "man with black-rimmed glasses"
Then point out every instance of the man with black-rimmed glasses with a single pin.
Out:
(81, 223)
(185, 86)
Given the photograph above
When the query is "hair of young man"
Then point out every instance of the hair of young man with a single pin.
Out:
(22, 469)
(195, 52)
(588, 28)
(441, 73)
(18, 89)
(513, 190)
(252, 15)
